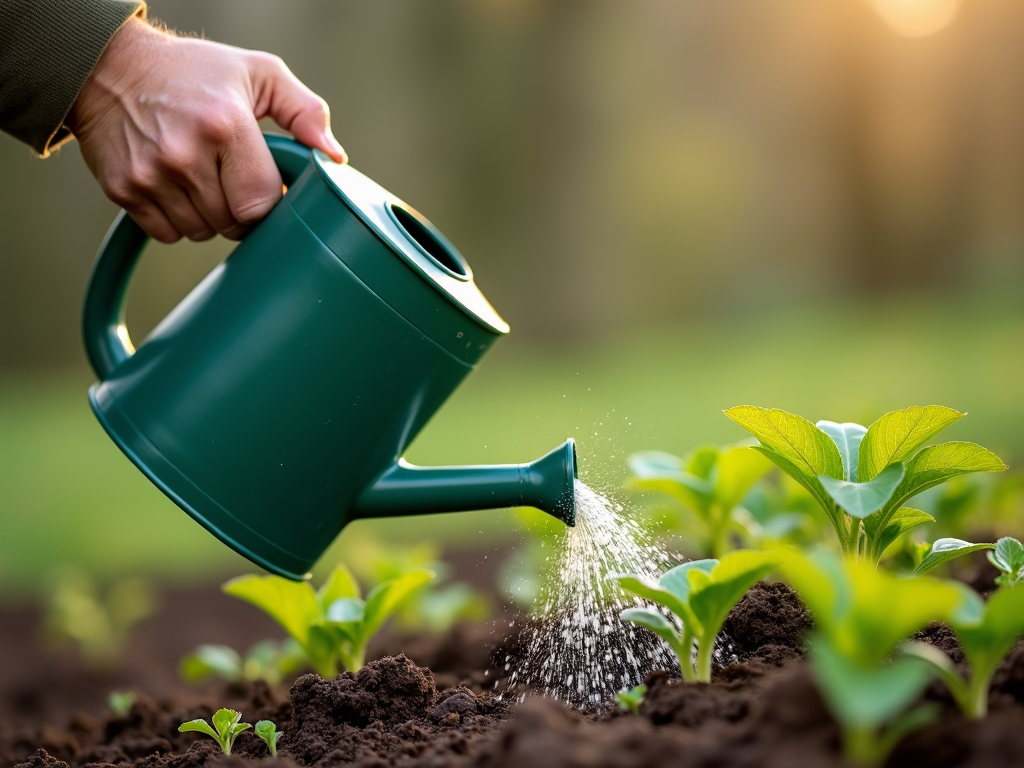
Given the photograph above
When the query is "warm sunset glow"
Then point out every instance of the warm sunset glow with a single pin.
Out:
(917, 18)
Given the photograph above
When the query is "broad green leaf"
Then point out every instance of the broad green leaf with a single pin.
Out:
(346, 610)
(810, 483)
(385, 598)
(207, 660)
(225, 719)
(341, 583)
(677, 580)
(944, 550)
(862, 499)
(866, 696)
(661, 472)
(938, 463)
(291, 604)
(738, 469)
(900, 521)
(896, 436)
(1008, 555)
(648, 590)
(821, 582)
(654, 621)
(865, 613)
(201, 726)
(713, 594)
(847, 438)
(806, 447)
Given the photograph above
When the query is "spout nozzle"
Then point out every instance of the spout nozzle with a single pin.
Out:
(549, 483)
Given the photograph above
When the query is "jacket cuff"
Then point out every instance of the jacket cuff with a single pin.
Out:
(48, 49)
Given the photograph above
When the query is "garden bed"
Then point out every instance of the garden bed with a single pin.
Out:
(762, 709)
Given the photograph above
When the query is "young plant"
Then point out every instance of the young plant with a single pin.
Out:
(700, 595)
(1008, 557)
(268, 660)
(120, 702)
(225, 728)
(267, 731)
(434, 607)
(710, 482)
(861, 616)
(99, 624)
(333, 624)
(985, 641)
(862, 476)
(630, 699)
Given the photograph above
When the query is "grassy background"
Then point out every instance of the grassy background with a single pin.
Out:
(68, 496)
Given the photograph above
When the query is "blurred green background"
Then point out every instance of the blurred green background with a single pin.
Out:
(678, 205)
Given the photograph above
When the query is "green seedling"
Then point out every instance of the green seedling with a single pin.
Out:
(861, 616)
(984, 643)
(862, 476)
(700, 595)
(436, 606)
(267, 660)
(267, 731)
(943, 550)
(332, 625)
(630, 699)
(120, 702)
(225, 728)
(1008, 557)
(710, 483)
(98, 624)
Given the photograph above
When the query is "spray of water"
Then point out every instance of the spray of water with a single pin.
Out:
(577, 649)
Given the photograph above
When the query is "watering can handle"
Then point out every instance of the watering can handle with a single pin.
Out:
(107, 343)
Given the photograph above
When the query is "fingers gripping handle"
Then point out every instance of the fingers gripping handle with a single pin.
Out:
(107, 343)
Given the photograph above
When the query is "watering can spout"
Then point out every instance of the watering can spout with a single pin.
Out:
(546, 484)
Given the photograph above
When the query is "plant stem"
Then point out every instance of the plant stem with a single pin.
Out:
(718, 530)
(975, 705)
(355, 660)
(704, 650)
(685, 654)
(860, 745)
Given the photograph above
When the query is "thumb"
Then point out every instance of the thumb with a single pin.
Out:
(283, 97)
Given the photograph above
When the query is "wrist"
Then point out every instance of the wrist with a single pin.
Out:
(116, 73)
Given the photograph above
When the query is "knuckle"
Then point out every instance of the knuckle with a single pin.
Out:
(142, 178)
(176, 156)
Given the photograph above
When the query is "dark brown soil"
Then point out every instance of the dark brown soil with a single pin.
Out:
(761, 710)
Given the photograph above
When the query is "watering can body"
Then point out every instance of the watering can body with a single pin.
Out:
(274, 402)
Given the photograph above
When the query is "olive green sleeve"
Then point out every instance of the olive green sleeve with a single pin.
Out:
(47, 50)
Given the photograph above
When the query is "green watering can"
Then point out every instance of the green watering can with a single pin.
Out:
(274, 403)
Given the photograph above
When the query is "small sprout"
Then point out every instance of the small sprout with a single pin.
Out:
(225, 728)
(267, 731)
(700, 594)
(630, 699)
(98, 623)
(984, 643)
(710, 483)
(861, 616)
(333, 624)
(267, 660)
(1008, 557)
(120, 702)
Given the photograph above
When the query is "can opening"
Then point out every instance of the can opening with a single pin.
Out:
(431, 244)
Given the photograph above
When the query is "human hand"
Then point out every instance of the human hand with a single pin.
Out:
(167, 125)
